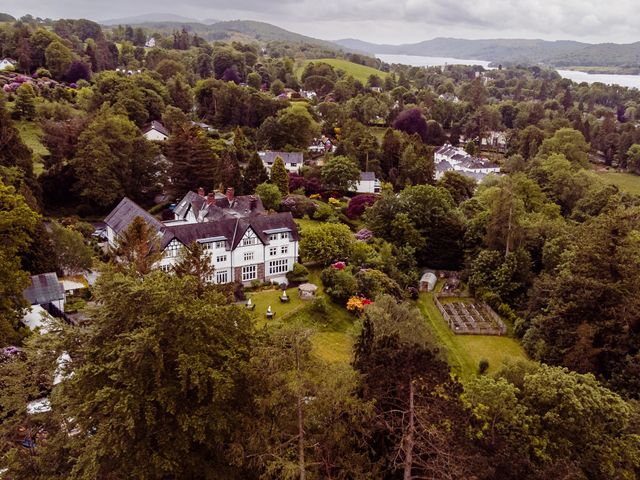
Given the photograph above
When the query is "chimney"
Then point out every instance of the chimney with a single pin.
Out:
(253, 203)
(230, 195)
(211, 198)
(201, 192)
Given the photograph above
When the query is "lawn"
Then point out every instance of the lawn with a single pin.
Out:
(334, 328)
(464, 352)
(627, 182)
(31, 135)
(359, 72)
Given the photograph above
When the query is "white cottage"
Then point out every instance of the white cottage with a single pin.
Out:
(7, 64)
(368, 183)
(293, 161)
(156, 131)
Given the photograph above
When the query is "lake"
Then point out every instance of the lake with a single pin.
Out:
(419, 61)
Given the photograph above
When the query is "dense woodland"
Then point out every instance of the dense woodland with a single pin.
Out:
(167, 386)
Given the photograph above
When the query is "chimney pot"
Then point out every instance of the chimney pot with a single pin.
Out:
(230, 195)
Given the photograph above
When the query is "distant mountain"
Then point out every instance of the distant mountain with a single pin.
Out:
(241, 30)
(149, 18)
(266, 32)
(5, 17)
(560, 53)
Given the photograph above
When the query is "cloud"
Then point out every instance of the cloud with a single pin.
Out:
(383, 20)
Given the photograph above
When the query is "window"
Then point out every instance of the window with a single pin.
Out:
(220, 244)
(208, 246)
(284, 249)
(250, 272)
(222, 277)
(273, 236)
(284, 235)
(248, 241)
(248, 256)
(293, 165)
(208, 278)
(273, 251)
(221, 258)
(278, 266)
(165, 268)
(173, 249)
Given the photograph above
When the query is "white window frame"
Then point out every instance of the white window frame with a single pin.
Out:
(273, 251)
(249, 272)
(278, 266)
(173, 249)
(222, 277)
(284, 249)
(273, 236)
(250, 238)
(221, 258)
(247, 256)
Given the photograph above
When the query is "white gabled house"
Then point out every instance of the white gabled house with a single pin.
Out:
(7, 64)
(293, 161)
(368, 183)
(156, 131)
(245, 243)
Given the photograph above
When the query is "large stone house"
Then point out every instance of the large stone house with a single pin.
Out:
(244, 242)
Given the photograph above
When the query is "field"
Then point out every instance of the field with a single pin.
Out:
(627, 182)
(359, 72)
(464, 352)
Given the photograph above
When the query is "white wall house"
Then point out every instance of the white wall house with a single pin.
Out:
(244, 243)
(156, 131)
(293, 161)
(150, 43)
(450, 158)
(7, 64)
(368, 183)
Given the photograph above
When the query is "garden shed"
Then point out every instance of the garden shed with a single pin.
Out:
(428, 281)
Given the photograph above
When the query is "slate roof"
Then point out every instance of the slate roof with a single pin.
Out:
(287, 157)
(232, 229)
(124, 213)
(45, 288)
(158, 127)
(182, 208)
(367, 176)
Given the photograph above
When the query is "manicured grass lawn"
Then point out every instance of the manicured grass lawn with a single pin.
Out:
(334, 329)
(306, 222)
(627, 182)
(359, 72)
(464, 352)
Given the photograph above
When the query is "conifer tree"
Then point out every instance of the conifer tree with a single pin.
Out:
(254, 174)
(193, 162)
(279, 176)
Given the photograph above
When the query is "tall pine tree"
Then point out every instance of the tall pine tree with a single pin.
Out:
(254, 174)
(192, 161)
(279, 176)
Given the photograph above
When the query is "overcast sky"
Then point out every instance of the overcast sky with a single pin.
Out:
(382, 21)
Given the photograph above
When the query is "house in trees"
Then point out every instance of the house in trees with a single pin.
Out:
(156, 131)
(7, 64)
(449, 158)
(368, 183)
(244, 242)
(293, 161)
(150, 43)
(46, 297)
